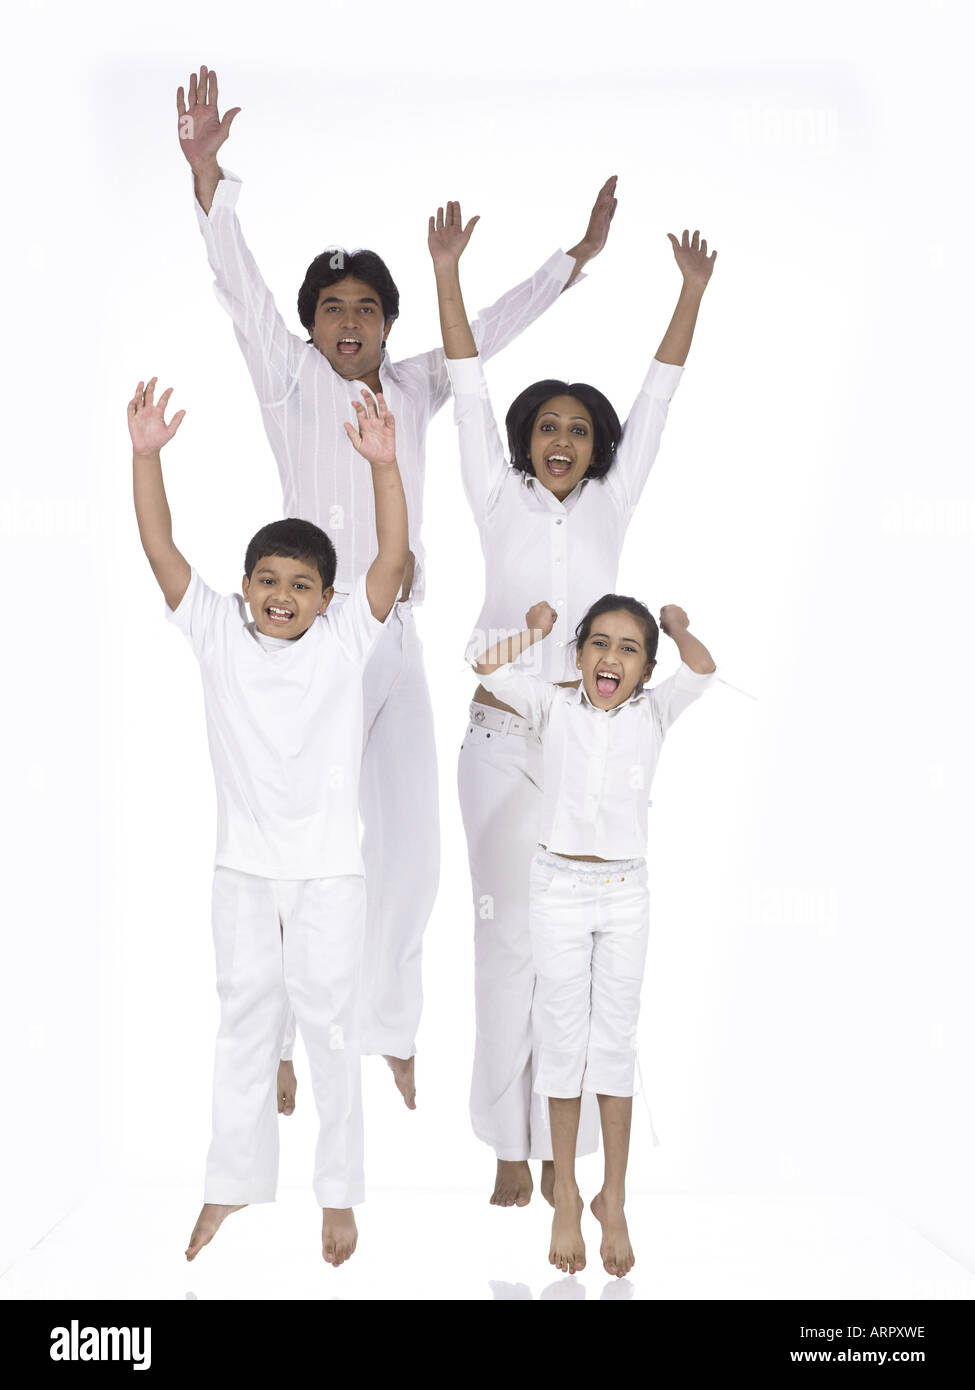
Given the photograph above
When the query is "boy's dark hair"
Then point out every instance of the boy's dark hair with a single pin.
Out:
(611, 603)
(335, 265)
(523, 411)
(294, 539)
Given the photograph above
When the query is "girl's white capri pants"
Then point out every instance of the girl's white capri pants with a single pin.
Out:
(589, 926)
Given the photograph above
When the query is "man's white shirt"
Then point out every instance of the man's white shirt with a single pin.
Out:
(285, 732)
(598, 765)
(536, 547)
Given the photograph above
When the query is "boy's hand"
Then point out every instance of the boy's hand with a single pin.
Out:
(147, 428)
(447, 236)
(672, 618)
(695, 263)
(201, 131)
(375, 439)
(541, 618)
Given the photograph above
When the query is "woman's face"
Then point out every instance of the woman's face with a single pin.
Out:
(561, 444)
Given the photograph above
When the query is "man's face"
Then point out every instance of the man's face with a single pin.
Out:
(613, 659)
(285, 596)
(349, 327)
(561, 444)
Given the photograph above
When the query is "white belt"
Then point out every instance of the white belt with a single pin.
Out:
(500, 721)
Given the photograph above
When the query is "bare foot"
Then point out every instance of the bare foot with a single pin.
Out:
(339, 1234)
(512, 1184)
(567, 1251)
(287, 1086)
(615, 1249)
(402, 1069)
(547, 1184)
(208, 1223)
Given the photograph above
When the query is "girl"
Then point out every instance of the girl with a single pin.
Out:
(551, 519)
(588, 888)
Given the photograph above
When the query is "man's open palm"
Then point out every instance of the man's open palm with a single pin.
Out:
(201, 131)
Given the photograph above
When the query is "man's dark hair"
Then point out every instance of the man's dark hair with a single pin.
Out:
(523, 411)
(293, 539)
(335, 265)
(612, 603)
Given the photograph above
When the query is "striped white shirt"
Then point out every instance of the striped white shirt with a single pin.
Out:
(304, 401)
(536, 547)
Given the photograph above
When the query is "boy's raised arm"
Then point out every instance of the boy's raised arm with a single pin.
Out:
(375, 440)
(696, 266)
(149, 432)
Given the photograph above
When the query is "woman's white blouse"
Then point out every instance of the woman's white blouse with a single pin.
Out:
(598, 765)
(536, 547)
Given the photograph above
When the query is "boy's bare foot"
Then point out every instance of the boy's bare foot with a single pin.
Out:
(287, 1086)
(615, 1249)
(568, 1250)
(402, 1069)
(512, 1184)
(339, 1234)
(208, 1223)
(547, 1184)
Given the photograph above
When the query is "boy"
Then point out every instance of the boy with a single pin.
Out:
(283, 697)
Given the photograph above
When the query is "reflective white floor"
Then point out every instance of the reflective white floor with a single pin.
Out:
(421, 1245)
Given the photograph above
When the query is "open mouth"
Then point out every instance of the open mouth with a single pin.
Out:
(607, 683)
(558, 465)
(348, 347)
(280, 616)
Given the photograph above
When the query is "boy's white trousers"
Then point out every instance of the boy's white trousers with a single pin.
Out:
(499, 781)
(280, 944)
(398, 804)
(589, 931)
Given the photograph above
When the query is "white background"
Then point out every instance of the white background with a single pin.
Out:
(807, 1017)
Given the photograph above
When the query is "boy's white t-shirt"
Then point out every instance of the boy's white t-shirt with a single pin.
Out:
(285, 731)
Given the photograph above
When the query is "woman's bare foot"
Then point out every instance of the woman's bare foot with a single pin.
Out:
(208, 1223)
(567, 1251)
(615, 1249)
(402, 1069)
(512, 1184)
(546, 1185)
(339, 1234)
(287, 1086)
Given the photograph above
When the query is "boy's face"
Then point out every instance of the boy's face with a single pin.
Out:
(285, 596)
(613, 659)
(561, 444)
(349, 327)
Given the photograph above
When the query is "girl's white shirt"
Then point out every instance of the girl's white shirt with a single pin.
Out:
(536, 547)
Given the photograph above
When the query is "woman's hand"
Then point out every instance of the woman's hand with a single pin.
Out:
(692, 257)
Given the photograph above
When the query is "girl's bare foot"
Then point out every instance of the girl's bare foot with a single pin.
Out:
(402, 1069)
(547, 1184)
(339, 1234)
(567, 1251)
(615, 1249)
(287, 1086)
(512, 1184)
(208, 1223)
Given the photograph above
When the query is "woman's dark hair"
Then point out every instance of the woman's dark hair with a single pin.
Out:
(335, 265)
(612, 603)
(294, 539)
(523, 411)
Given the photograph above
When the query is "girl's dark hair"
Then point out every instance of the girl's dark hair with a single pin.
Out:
(294, 539)
(523, 411)
(335, 265)
(612, 603)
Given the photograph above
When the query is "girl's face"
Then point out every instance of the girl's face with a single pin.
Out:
(613, 659)
(561, 444)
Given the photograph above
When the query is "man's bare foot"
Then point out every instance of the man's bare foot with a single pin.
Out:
(512, 1184)
(287, 1086)
(567, 1251)
(615, 1249)
(547, 1184)
(208, 1223)
(339, 1234)
(402, 1069)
